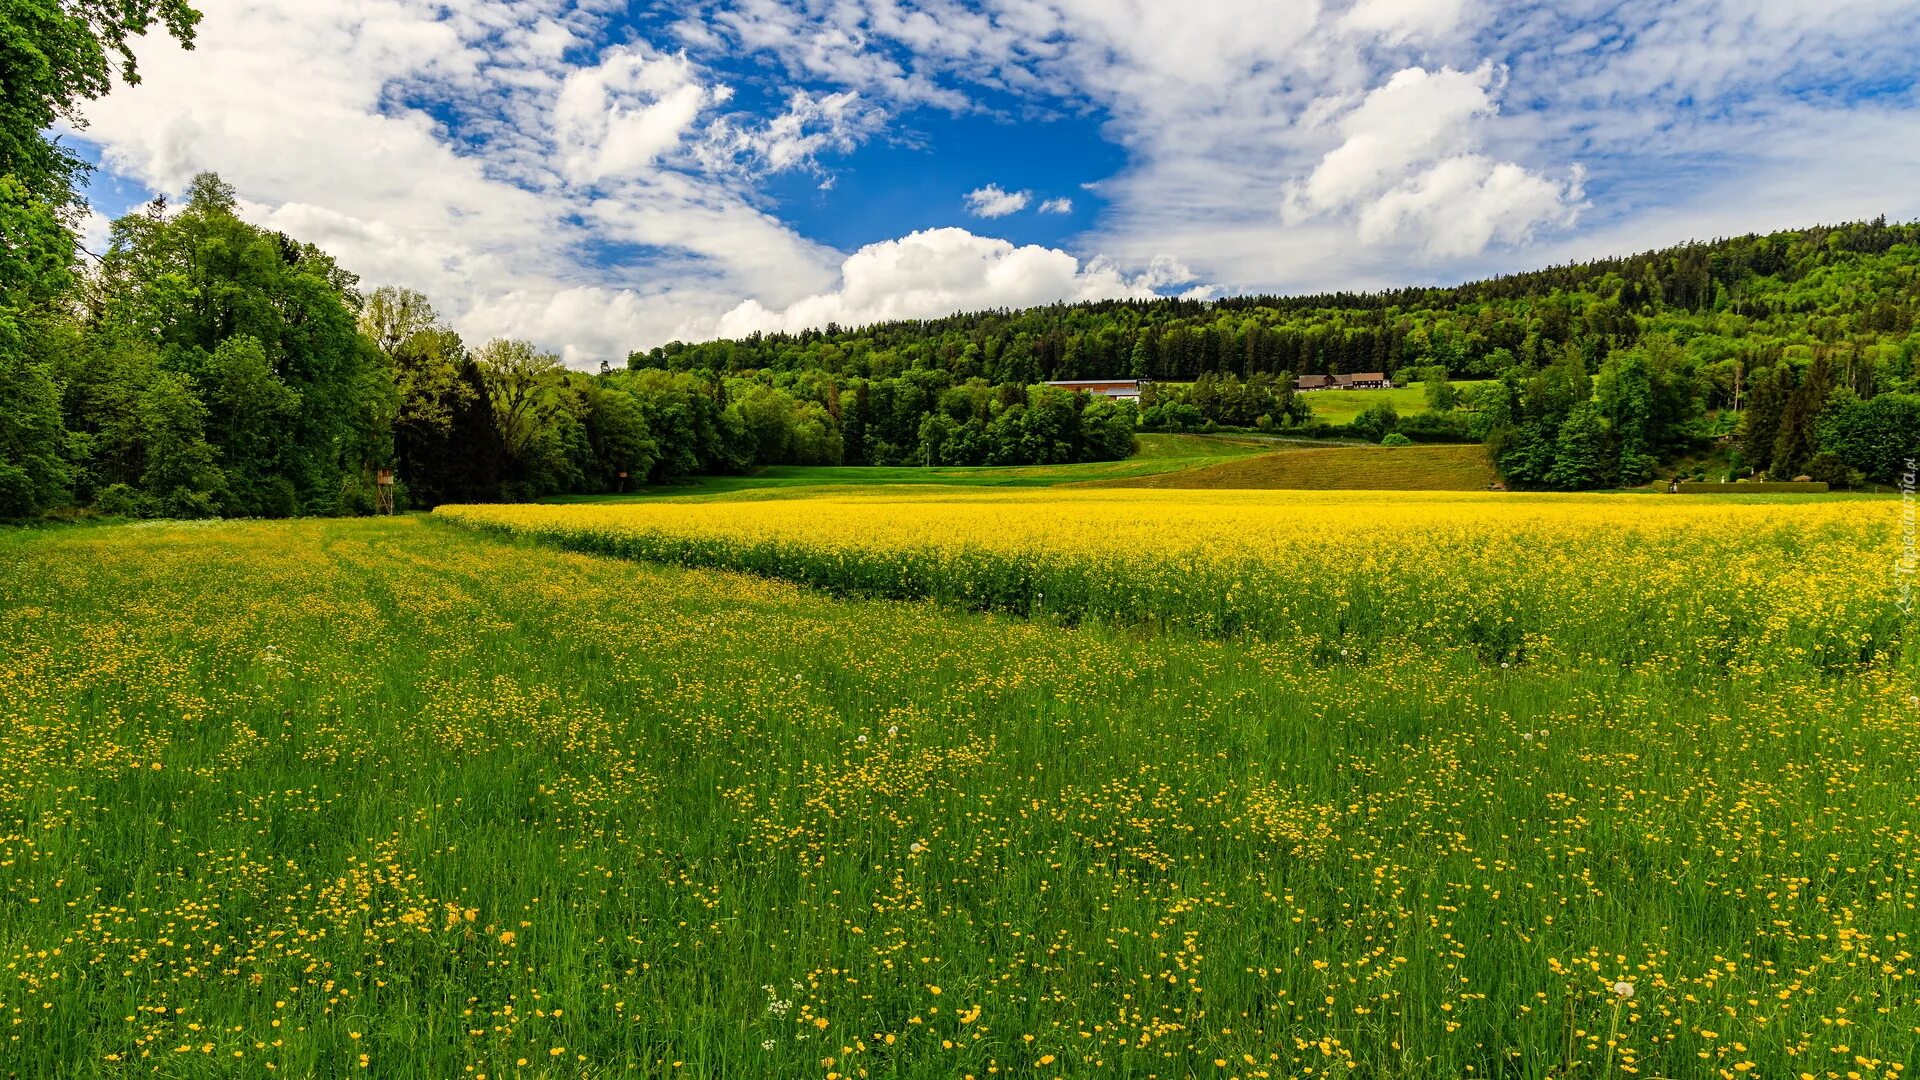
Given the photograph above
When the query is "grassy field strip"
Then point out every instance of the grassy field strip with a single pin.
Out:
(1155, 454)
(1687, 585)
(376, 798)
(1344, 468)
(1341, 406)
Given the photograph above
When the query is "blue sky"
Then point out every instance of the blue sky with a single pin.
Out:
(599, 176)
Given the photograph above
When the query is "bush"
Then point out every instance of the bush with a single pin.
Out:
(1175, 417)
(1394, 438)
(120, 500)
(1827, 468)
(1875, 436)
(16, 492)
(1375, 422)
(1435, 427)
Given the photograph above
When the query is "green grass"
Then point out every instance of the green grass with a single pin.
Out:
(1352, 468)
(296, 793)
(1342, 406)
(1154, 454)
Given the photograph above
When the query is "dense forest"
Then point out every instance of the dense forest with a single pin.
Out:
(1799, 348)
(203, 365)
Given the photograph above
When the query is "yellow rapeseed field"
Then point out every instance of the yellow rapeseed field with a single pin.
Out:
(1669, 582)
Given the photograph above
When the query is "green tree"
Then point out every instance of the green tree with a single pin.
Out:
(1579, 450)
(1440, 393)
(816, 439)
(180, 476)
(34, 471)
(1624, 391)
(1798, 437)
(248, 409)
(1876, 436)
(936, 430)
(1376, 421)
(426, 356)
(426, 365)
(1766, 406)
(55, 55)
(523, 386)
(617, 435)
(193, 281)
(461, 462)
(1106, 426)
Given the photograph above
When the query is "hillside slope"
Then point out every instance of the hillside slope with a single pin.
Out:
(1350, 468)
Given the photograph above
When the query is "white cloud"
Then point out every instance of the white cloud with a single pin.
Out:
(940, 271)
(1412, 120)
(1407, 166)
(541, 172)
(1060, 205)
(812, 125)
(96, 229)
(991, 202)
(1394, 21)
(1222, 107)
(618, 119)
(498, 220)
(1462, 204)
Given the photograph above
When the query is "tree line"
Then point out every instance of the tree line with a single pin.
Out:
(1798, 348)
(208, 366)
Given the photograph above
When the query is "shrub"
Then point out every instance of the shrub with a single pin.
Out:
(1827, 467)
(1394, 438)
(120, 500)
(1435, 427)
(1375, 422)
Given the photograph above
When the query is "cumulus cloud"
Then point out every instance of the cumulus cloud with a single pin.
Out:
(1669, 104)
(542, 169)
(1406, 165)
(542, 199)
(1416, 117)
(991, 202)
(617, 119)
(1462, 204)
(941, 271)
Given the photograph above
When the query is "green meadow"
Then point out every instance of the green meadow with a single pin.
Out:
(1342, 406)
(389, 798)
(1154, 455)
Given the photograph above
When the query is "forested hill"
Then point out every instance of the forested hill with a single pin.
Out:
(1848, 293)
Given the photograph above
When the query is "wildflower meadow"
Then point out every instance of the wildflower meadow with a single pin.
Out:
(992, 784)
